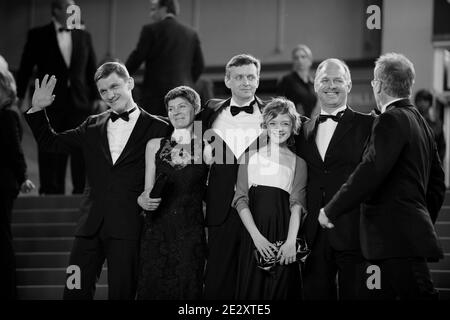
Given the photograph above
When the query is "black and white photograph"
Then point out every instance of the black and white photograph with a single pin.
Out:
(223, 158)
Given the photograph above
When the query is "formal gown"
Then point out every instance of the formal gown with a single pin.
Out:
(173, 244)
(269, 189)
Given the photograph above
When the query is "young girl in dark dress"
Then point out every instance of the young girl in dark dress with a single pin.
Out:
(270, 199)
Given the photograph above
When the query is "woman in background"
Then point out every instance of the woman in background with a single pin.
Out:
(12, 178)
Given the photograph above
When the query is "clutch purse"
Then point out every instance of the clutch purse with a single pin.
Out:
(159, 186)
(268, 264)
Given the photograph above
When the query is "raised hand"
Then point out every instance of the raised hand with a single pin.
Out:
(43, 94)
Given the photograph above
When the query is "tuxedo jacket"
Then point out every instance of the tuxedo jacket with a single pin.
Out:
(325, 177)
(222, 176)
(401, 185)
(75, 83)
(172, 55)
(114, 188)
(12, 162)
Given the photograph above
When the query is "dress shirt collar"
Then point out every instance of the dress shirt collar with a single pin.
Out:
(383, 108)
(335, 111)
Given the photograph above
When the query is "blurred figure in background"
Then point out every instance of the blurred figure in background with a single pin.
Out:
(172, 55)
(423, 100)
(12, 178)
(69, 55)
(298, 85)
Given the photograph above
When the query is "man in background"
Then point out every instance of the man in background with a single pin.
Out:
(69, 55)
(171, 52)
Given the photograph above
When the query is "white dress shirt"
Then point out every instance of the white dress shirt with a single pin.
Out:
(325, 132)
(383, 108)
(64, 42)
(119, 132)
(238, 131)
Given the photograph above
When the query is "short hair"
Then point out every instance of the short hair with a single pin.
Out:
(242, 60)
(397, 74)
(184, 92)
(304, 48)
(339, 62)
(281, 105)
(7, 87)
(58, 4)
(425, 95)
(172, 6)
(108, 68)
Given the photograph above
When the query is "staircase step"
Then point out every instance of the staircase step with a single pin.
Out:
(444, 293)
(49, 276)
(46, 229)
(441, 278)
(42, 259)
(54, 292)
(52, 201)
(443, 228)
(445, 243)
(443, 264)
(39, 244)
(46, 215)
(444, 214)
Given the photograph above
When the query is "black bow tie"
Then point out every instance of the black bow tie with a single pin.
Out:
(124, 115)
(235, 110)
(62, 29)
(325, 117)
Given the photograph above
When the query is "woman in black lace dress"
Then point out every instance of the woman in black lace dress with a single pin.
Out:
(173, 242)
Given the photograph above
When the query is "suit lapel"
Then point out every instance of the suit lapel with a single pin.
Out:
(75, 46)
(136, 135)
(310, 135)
(343, 126)
(215, 111)
(55, 44)
(104, 145)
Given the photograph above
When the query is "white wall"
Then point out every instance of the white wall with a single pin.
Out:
(332, 28)
(407, 28)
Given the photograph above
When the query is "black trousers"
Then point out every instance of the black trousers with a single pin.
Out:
(405, 279)
(329, 274)
(7, 258)
(222, 261)
(89, 254)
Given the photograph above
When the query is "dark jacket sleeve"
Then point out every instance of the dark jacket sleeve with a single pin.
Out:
(11, 132)
(198, 63)
(385, 146)
(91, 68)
(436, 187)
(139, 54)
(49, 140)
(27, 63)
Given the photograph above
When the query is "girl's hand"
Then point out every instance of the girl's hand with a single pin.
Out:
(287, 253)
(265, 248)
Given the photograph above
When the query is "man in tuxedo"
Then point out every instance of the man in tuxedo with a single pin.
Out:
(69, 55)
(400, 183)
(332, 144)
(234, 124)
(113, 145)
(172, 55)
